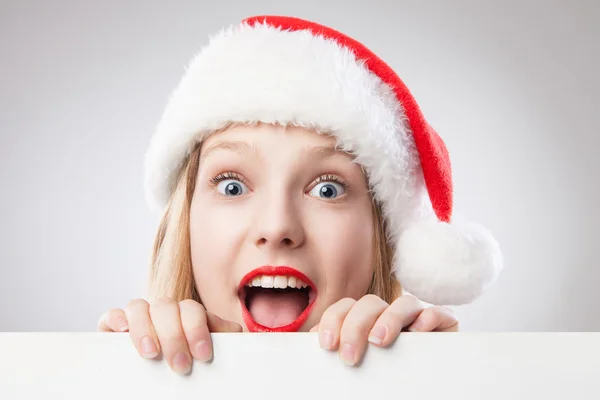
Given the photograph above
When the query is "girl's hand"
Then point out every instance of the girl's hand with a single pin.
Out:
(349, 324)
(179, 329)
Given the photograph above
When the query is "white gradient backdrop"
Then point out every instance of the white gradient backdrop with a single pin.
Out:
(511, 86)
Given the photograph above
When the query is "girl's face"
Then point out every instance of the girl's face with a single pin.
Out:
(275, 209)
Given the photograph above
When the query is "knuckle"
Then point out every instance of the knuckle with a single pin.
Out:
(136, 304)
(432, 312)
(190, 304)
(410, 303)
(331, 319)
(373, 299)
(427, 317)
(411, 300)
(114, 314)
(394, 314)
(443, 310)
(354, 327)
(192, 313)
(135, 307)
(445, 313)
(435, 310)
(433, 315)
(163, 303)
(347, 302)
(335, 314)
(404, 306)
(114, 319)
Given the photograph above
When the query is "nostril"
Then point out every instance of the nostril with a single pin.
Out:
(284, 242)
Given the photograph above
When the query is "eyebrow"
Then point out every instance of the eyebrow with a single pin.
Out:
(322, 152)
(244, 148)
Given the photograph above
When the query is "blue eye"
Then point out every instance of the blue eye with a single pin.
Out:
(328, 190)
(231, 187)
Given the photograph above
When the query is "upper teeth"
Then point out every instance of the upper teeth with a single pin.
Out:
(279, 282)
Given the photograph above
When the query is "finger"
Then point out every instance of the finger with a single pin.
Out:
(402, 312)
(437, 318)
(330, 325)
(195, 328)
(315, 328)
(114, 320)
(357, 325)
(217, 324)
(141, 330)
(167, 322)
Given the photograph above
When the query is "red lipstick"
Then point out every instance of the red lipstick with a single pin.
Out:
(254, 326)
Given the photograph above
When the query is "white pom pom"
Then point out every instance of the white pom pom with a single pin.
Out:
(447, 264)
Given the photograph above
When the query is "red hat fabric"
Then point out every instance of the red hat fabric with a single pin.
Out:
(287, 70)
(435, 161)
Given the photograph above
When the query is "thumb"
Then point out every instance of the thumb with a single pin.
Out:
(218, 324)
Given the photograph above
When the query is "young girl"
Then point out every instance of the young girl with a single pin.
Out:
(299, 186)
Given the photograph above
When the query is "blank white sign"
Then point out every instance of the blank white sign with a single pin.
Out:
(292, 366)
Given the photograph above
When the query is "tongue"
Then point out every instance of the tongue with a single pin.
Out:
(277, 308)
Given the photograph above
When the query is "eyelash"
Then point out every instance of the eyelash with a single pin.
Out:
(331, 178)
(323, 178)
(225, 176)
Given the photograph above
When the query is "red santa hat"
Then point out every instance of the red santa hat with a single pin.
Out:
(287, 70)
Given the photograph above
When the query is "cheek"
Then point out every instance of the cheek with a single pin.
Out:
(214, 232)
(215, 237)
(345, 246)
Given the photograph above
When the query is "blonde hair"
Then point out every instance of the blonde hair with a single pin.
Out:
(171, 273)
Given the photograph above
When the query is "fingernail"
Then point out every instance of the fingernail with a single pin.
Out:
(202, 350)
(181, 363)
(378, 334)
(326, 340)
(416, 327)
(347, 354)
(148, 347)
(122, 325)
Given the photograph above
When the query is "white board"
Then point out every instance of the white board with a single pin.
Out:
(292, 366)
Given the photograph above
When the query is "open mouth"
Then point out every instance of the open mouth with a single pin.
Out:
(276, 299)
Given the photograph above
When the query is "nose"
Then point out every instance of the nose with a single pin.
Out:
(278, 223)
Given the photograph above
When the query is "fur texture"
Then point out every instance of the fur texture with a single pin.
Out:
(447, 264)
(261, 73)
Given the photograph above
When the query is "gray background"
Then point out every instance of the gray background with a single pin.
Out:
(511, 86)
